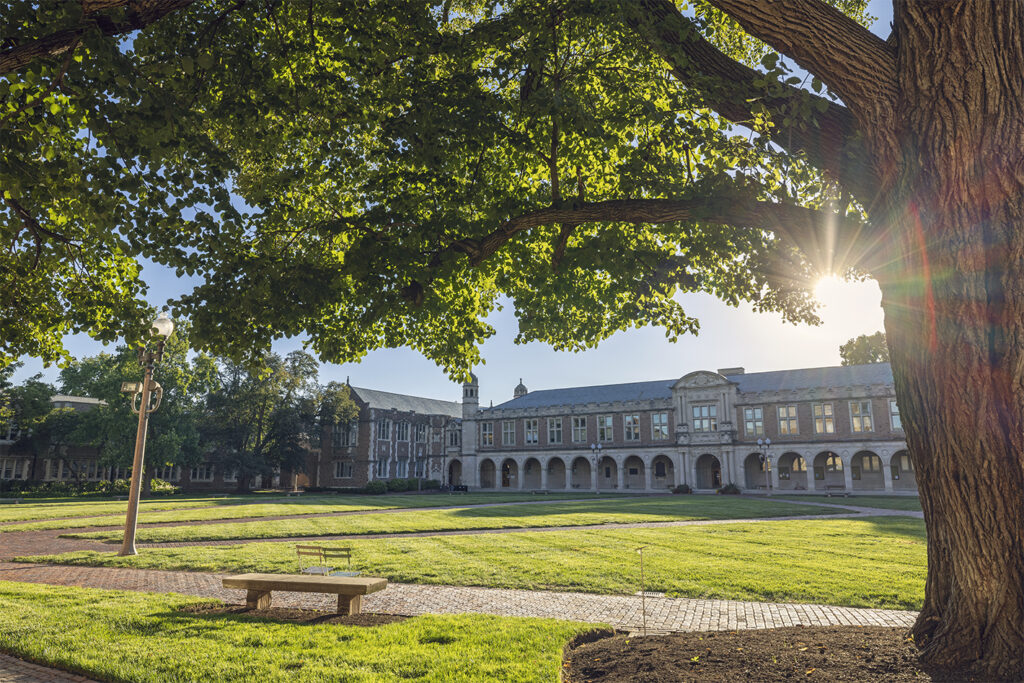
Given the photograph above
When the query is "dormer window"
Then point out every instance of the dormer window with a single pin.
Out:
(705, 418)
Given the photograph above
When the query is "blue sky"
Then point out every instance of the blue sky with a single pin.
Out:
(729, 337)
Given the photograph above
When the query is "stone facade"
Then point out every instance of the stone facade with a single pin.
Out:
(830, 429)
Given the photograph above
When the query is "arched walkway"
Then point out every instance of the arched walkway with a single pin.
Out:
(509, 474)
(455, 473)
(828, 471)
(556, 474)
(580, 475)
(634, 476)
(531, 474)
(607, 473)
(487, 480)
(866, 472)
(753, 472)
(903, 477)
(709, 472)
(663, 475)
(792, 472)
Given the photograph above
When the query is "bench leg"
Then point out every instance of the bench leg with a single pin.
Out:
(350, 604)
(257, 599)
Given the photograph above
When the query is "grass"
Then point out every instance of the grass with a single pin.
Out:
(121, 636)
(886, 502)
(580, 513)
(869, 562)
(236, 507)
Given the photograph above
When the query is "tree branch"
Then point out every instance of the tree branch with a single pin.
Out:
(856, 64)
(140, 13)
(734, 90)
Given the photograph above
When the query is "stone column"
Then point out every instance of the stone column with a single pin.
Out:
(593, 474)
(887, 473)
(621, 478)
(544, 475)
(520, 475)
(775, 474)
(649, 478)
(568, 477)
(848, 474)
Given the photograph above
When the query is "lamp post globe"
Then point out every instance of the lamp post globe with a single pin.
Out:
(163, 326)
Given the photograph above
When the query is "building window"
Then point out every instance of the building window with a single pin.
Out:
(421, 468)
(453, 438)
(787, 420)
(824, 420)
(659, 426)
(605, 431)
(508, 433)
(382, 468)
(201, 473)
(531, 430)
(231, 477)
(659, 469)
(753, 421)
(486, 433)
(383, 429)
(901, 463)
(554, 430)
(894, 415)
(421, 433)
(705, 418)
(402, 431)
(579, 429)
(860, 416)
(343, 469)
(631, 427)
(167, 473)
(344, 435)
(402, 468)
(11, 468)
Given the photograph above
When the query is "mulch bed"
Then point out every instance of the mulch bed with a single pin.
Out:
(838, 653)
(299, 616)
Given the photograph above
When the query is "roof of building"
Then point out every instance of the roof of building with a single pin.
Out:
(776, 380)
(385, 400)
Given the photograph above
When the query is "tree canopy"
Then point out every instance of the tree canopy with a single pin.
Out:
(867, 348)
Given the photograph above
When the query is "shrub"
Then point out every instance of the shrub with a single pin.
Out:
(431, 484)
(375, 488)
(682, 488)
(398, 485)
(158, 487)
(730, 490)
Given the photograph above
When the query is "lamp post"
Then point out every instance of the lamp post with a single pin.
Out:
(763, 445)
(142, 393)
(595, 458)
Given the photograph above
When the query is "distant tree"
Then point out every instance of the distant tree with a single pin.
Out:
(867, 348)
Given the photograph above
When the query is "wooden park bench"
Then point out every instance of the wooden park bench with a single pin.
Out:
(12, 501)
(349, 589)
(838, 488)
(293, 493)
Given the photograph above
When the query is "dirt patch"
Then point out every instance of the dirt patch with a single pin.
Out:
(298, 616)
(840, 653)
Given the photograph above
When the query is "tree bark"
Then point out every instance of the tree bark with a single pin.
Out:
(953, 297)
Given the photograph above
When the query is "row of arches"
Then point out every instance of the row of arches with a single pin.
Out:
(578, 473)
(867, 472)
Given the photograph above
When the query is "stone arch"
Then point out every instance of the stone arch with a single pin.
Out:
(607, 473)
(509, 474)
(488, 479)
(663, 472)
(579, 475)
(866, 472)
(792, 470)
(634, 475)
(556, 473)
(531, 474)
(455, 473)
(754, 472)
(828, 471)
(709, 472)
(902, 468)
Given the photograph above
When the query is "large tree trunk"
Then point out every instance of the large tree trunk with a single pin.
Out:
(953, 295)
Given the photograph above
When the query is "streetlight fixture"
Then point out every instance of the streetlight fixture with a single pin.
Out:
(143, 403)
(763, 445)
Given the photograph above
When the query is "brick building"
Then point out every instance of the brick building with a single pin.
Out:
(834, 428)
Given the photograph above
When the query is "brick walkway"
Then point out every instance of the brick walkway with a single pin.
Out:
(623, 612)
(14, 670)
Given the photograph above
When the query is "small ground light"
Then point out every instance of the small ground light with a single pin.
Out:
(643, 589)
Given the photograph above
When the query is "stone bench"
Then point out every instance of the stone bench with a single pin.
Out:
(11, 501)
(838, 489)
(349, 589)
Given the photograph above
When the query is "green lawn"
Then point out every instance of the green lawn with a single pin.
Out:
(121, 636)
(869, 562)
(579, 513)
(886, 502)
(236, 507)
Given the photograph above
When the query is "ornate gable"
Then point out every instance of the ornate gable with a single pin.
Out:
(701, 379)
